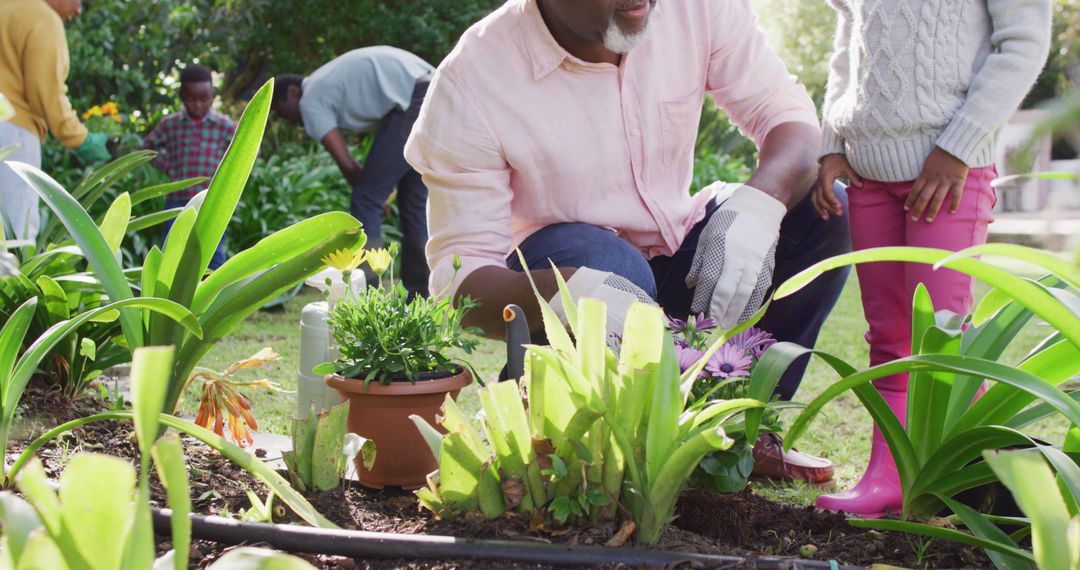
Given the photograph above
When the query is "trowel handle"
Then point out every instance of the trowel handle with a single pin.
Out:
(517, 336)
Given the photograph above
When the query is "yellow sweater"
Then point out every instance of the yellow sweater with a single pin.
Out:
(34, 69)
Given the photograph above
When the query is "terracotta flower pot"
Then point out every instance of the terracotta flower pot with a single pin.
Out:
(381, 413)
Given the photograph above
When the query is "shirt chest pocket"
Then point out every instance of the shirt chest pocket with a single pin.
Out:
(678, 126)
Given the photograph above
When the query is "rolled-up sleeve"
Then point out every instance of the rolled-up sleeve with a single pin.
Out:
(746, 77)
(455, 150)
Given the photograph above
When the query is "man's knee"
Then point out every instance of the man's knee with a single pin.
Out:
(585, 245)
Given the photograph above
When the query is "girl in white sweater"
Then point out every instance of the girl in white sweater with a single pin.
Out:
(917, 92)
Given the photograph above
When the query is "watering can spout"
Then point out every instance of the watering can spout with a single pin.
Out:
(517, 336)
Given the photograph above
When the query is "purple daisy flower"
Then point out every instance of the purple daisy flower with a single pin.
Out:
(729, 362)
(753, 341)
(675, 325)
(687, 357)
(703, 323)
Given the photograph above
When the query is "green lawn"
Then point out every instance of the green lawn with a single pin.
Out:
(842, 433)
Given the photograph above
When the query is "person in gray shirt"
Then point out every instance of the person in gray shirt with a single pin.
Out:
(373, 89)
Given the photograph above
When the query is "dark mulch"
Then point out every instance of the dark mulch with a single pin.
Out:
(763, 526)
(739, 524)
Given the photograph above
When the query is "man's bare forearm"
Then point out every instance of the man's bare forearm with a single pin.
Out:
(335, 144)
(496, 287)
(787, 162)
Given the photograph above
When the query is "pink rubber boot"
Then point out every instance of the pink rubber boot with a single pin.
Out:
(878, 493)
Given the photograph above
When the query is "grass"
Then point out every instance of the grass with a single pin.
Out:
(841, 433)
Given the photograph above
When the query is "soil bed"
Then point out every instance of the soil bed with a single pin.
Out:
(741, 524)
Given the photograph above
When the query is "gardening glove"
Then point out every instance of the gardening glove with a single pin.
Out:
(615, 291)
(733, 265)
(92, 151)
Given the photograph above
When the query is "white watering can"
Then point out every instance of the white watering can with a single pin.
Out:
(316, 346)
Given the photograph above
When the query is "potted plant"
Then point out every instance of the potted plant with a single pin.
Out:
(394, 361)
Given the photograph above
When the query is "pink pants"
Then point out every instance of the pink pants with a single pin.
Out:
(878, 219)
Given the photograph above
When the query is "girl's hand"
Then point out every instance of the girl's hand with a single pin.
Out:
(942, 177)
(824, 200)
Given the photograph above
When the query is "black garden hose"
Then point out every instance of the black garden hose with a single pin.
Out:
(378, 545)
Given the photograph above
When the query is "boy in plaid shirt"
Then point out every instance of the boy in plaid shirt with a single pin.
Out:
(192, 141)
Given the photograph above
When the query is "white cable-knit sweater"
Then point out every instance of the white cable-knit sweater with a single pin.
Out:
(907, 75)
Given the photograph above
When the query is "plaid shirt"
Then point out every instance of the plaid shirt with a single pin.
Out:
(189, 148)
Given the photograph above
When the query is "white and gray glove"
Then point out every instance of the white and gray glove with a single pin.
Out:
(615, 291)
(733, 265)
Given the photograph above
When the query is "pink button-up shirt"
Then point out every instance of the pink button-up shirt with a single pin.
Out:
(516, 134)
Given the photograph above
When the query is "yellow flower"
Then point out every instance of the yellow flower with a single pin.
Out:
(344, 260)
(110, 108)
(379, 259)
(94, 111)
(116, 118)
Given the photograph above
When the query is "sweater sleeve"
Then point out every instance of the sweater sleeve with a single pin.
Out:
(839, 77)
(45, 69)
(1020, 42)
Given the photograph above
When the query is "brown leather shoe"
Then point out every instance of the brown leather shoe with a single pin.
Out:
(771, 462)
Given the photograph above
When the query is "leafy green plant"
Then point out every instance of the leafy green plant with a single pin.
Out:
(224, 298)
(322, 448)
(93, 522)
(383, 335)
(231, 451)
(16, 370)
(601, 433)
(939, 452)
(1052, 521)
(55, 273)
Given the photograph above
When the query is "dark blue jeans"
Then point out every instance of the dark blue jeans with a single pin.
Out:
(805, 239)
(385, 169)
(219, 254)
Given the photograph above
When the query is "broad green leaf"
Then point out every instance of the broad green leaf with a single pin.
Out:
(11, 340)
(104, 177)
(1062, 268)
(171, 469)
(929, 392)
(591, 340)
(643, 337)
(232, 175)
(1000, 403)
(508, 427)
(153, 219)
(432, 436)
(328, 460)
(958, 451)
(96, 506)
(19, 521)
(41, 552)
(989, 305)
(89, 239)
(56, 301)
(150, 368)
(1036, 413)
(942, 533)
(299, 239)
(1032, 485)
(1029, 294)
(34, 486)
(459, 468)
(665, 406)
(156, 191)
(553, 327)
(139, 550)
(250, 558)
(114, 225)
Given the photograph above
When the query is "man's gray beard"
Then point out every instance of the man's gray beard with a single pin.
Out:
(619, 41)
